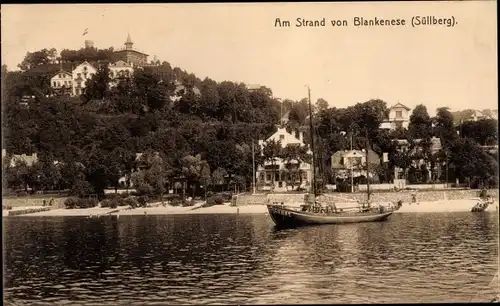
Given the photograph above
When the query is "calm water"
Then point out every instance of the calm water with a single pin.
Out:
(243, 259)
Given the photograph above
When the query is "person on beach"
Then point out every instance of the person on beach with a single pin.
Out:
(414, 197)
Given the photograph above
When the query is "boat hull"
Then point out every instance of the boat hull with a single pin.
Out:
(285, 217)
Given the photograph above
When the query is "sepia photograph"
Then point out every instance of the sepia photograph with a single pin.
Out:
(250, 153)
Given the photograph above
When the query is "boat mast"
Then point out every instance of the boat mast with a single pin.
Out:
(367, 167)
(313, 178)
(253, 165)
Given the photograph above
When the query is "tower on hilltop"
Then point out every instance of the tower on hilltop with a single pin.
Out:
(129, 44)
(89, 44)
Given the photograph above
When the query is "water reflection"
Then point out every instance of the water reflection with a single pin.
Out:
(244, 259)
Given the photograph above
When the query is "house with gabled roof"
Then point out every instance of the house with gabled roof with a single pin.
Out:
(119, 70)
(62, 82)
(80, 75)
(280, 168)
(130, 55)
(398, 117)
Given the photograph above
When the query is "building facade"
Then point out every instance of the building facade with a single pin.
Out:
(118, 71)
(131, 56)
(62, 82)
(80, 75)
(349, 163)
(284, 175)
(400, 177)
(399, 117)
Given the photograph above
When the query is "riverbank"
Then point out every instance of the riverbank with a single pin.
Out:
(421, 207)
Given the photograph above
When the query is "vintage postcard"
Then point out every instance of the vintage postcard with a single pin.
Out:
(250, 153)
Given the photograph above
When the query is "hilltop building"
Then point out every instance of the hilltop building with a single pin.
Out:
(118, 71)
(131, 56)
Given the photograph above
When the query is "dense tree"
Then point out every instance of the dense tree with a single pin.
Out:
(420, 126)
(38, 58)
(484, 132)
(443, 126)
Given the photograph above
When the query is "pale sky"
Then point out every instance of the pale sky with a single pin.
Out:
(434, 65)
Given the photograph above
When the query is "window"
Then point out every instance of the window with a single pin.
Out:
(268, 177)
(60, 76)
(297, 134)
(399, 114)
(55, 84)
(398, 124)
(282, 137)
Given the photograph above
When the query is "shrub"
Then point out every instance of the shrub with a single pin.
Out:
(87, 203)
(106, 203)
(6, 207)
(112, 196)
(132, 201)
(81, 189)
(71, 202)
(188, 203)
(215, 200)
(144, 189)
(174, 199)
(111, 203)
(226, 196)
(22, 193)
(143, 200)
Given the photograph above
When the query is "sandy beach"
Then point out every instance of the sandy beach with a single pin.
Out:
(421, 207)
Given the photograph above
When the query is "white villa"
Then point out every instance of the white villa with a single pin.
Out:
(62, 81)
(118, 70)
(75, 81)
(353, 162)
(282, 176)
(399, 117)
(80, 75)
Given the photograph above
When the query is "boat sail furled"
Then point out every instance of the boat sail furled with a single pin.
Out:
(315, 213)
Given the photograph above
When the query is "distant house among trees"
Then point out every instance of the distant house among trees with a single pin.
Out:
(398, 117)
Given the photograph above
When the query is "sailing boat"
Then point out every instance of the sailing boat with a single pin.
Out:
(314, 213)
